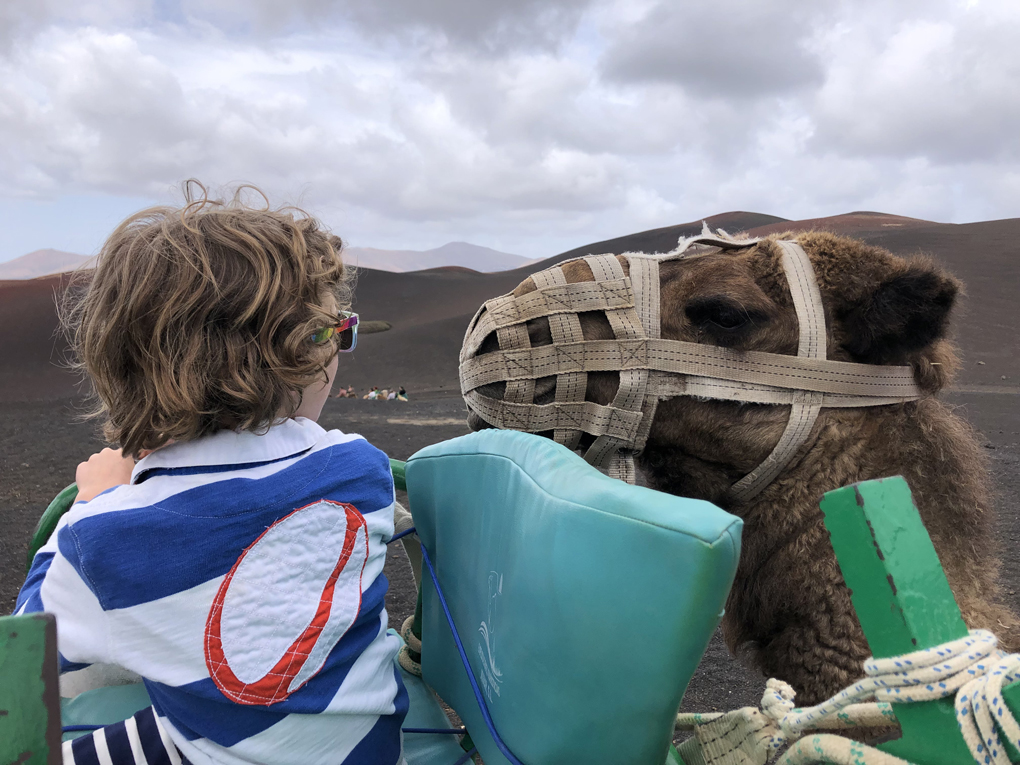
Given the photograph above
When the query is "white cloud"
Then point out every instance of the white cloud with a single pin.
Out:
(721, 48)
(481, 25)
(530, 127)
(942, 89)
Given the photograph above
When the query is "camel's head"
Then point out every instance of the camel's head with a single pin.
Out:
(879, 310)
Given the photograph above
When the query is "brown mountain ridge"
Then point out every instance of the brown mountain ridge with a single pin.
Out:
(429, 310)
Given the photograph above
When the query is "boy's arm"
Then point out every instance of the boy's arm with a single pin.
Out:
(55, 585)
(102, 471)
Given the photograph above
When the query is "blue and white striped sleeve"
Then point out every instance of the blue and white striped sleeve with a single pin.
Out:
(57, 584)
(29, 598)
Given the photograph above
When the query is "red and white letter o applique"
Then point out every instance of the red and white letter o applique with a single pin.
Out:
(286, 603)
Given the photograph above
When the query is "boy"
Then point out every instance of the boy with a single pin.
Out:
(231, 551)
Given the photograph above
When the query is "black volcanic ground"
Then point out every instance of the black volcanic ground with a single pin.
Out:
(41, 440)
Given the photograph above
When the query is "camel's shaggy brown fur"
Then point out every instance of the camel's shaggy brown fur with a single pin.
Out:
(789, 610)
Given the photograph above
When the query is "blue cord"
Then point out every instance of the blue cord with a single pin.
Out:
(466, 757)
(467, 666)
(401, 535)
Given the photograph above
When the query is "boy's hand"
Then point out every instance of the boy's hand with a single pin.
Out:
(103, 471)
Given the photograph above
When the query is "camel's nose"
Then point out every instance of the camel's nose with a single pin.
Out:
(475, 422)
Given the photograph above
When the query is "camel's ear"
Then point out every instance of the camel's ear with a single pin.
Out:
(904, 314)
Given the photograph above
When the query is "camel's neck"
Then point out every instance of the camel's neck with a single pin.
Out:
(935, 451)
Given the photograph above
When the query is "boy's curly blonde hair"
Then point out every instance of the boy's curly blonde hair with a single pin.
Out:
(200, 318)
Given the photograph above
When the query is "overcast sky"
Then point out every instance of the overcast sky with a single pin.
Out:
(530, 126)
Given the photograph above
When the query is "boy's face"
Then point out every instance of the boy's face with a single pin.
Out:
(315, 395)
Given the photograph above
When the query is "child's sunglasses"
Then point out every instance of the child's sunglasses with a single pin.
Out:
(346, 330)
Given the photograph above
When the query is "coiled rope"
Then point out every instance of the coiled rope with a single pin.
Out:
(972, 668)
(410, 649)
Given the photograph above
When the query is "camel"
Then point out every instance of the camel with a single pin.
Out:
(789, 612)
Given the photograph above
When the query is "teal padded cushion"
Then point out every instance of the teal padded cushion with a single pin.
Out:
(584, 604)
(103, 706)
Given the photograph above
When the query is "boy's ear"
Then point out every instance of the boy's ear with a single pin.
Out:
(904, 314)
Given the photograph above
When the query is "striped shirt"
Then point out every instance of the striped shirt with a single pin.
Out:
(240, 575)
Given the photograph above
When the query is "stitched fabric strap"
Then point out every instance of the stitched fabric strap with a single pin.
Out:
(516, 336)
(593, 418)
(565, 298)
(753, 367)
(804, 408)
(666, 385)
(610, 453)
(644, 275)
(565, 328)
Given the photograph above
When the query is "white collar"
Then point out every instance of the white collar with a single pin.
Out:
(229, 447)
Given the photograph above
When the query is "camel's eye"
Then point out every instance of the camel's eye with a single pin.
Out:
(718, 312)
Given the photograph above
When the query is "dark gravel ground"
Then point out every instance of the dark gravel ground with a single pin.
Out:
(41, 443)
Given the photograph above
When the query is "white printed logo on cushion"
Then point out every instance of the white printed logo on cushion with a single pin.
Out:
(286, 603)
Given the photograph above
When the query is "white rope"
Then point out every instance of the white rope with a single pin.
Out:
(411, 644)
(719, 239)
(838, 751)
(972, 668)
(932, 673)
(982, 713)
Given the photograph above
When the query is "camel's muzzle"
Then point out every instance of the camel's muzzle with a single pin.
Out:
(652, 368)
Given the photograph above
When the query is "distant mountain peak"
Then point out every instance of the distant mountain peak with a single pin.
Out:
(452, 254)
(42, 263)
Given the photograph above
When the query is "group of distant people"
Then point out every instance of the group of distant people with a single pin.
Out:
(375, 394)
(395, 394)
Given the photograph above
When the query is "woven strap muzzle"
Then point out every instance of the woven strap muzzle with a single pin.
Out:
(651, 368)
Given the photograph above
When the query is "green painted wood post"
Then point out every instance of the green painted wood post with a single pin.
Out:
(48, 521)
(902, 599)
(29, 690)
(399, 477)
